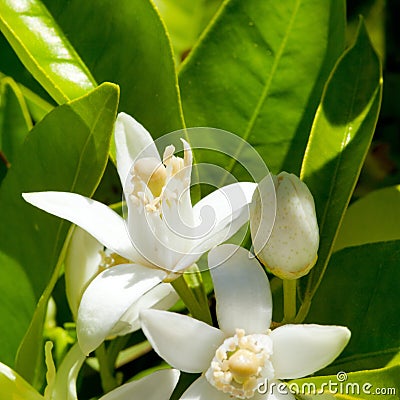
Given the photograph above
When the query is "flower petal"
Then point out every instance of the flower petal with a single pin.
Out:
(96, 218)
(219, 216)
(300, 350)
(157, 386)
(169, 332)
(131, 140)
(108, 297)
(67, 374)
(81, 265)
(160, 297)
(201, 389)
(242, 290)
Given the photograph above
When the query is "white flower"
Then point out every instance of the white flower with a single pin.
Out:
(238, 358)
(290, 249)
(85, 259)
(168, 234)
(62, 385)
(157, 386)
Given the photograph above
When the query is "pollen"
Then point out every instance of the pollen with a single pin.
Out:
(241, 364)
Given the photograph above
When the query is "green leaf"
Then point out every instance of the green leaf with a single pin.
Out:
(125, 42)
(339, 141)
(15, 121)
(44, 50)
(366, 385)
(14, 387)
(185, 21)
(29, 360)
(37, 106)
(66, 151)
(259, 72)
(373, 218)
(361, 284)
(17, 304)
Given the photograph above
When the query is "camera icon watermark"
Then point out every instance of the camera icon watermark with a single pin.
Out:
(340, 384)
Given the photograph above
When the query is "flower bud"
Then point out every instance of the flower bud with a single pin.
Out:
(291, 249)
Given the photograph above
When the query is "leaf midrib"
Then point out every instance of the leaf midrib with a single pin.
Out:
(266, 88)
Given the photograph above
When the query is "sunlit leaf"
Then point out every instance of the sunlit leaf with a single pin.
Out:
(373, 218)
(361, 284)
(339, 141)
(44, 50)
(66, 151)
(14, 387)
(185, 21)
(365, 385)
(259, 73)
(125, 42)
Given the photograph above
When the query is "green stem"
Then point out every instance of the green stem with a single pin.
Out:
(116, 346)
(190, 289)
(303, 311)
(108, 381)
(289, 300)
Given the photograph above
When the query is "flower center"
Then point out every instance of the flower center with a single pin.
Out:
(152, 172)
(241, 364)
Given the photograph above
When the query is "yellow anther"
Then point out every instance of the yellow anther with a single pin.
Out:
(243, 364)
(152, 172)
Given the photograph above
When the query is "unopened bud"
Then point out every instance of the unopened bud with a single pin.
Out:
(291, 249)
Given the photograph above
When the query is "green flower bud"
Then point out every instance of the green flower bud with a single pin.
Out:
(291, 249)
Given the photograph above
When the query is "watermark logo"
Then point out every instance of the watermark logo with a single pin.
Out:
(341, 384)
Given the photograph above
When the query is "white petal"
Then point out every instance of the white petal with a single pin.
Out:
(300, 350)
(131, 140)
(94, 217)
(157, 386)
(161, 297)
(153, 237)
(81, 265)
(218, 216)
(108, 297)
(67, 374)
(242, 290)
(221, 204)
(184, 342)
(200, 389)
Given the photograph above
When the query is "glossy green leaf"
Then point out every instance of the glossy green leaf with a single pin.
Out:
(44, 50)
(361, 284)
(37, 107)
(373, 218)
(13, 387)
(185, 21)
(339, 141)
(17, 305)
(125, 42)
(259, 72)
(29, 360)
(366, 385)
(66, 151)
(15, 121)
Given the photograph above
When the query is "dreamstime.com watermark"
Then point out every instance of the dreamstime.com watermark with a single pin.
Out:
(341, 385)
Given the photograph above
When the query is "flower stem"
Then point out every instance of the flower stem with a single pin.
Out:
(190, 289)
(289, 300)
(108, 381)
